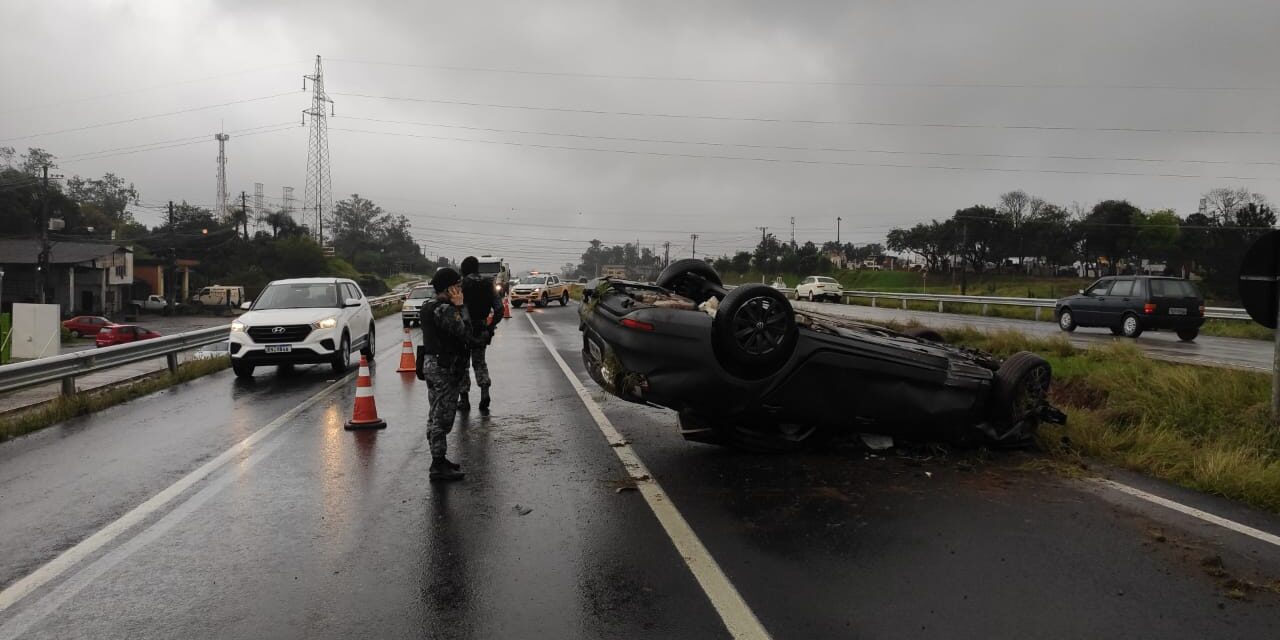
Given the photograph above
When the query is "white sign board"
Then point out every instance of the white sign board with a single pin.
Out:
(36, 330)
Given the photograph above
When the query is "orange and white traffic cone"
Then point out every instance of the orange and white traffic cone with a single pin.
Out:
(365, 415)
(408, 364)
(506, 308)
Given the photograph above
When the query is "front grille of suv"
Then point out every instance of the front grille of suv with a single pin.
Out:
(269, 335)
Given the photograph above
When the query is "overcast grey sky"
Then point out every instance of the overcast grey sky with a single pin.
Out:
(1081, 65)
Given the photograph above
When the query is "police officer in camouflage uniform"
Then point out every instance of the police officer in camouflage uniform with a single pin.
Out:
(443, 363)
(482, 304)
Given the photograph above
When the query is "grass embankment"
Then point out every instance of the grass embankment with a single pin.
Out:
(384, 310)
(1200, 427)
(39, 416)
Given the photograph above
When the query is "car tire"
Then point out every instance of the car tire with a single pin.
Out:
(754, 331)
(811, 295)
(75, 334)
(1130, 326)
(371, 345)
(342, 357)
(1066, 320)
(926, 334)
(542, 302)
(1020, 391)
(1187, 335)
(242, 370)
(564, 299)
(689, 277)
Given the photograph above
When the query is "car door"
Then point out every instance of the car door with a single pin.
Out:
(1118, 300)
(357, 317)
(1088, 307)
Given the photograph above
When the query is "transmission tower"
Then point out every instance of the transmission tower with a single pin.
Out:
(220, 202)
(257, 206)
(318, 198)
(288, 200)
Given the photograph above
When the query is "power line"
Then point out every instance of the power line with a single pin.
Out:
(147, 117)
(834, 83)
(201, 140)
(1013, 156)
(809, 162)
(865, 123)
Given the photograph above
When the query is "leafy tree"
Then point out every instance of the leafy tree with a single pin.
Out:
(1110, 231)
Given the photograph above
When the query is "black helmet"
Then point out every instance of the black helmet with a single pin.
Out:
(470, 265)
(444, 278)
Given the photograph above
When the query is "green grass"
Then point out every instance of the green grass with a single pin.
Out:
(384, 310)
(1200, 427)
(25, 421)
(400, 278)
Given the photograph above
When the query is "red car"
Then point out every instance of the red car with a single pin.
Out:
(122, 333)
(86, 325)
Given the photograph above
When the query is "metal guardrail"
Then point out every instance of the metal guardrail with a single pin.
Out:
(1039, 304)
(67, 367)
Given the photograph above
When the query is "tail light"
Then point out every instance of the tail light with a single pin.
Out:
(632, 323)
(1148, 308)
(1201, 309)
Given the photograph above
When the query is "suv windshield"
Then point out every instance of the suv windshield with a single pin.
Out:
(298, 296)
(533, 280)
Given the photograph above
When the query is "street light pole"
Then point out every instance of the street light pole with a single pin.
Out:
(838, 219)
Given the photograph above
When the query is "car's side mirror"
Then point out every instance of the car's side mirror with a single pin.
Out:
(352, 302)
(246, 305)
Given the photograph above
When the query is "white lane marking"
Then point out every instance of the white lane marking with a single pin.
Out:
(738, 618)
(88, 546)
(1191, 511)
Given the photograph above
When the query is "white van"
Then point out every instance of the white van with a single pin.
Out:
(496, 268)
(219, 296)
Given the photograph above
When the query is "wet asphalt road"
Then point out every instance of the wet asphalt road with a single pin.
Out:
(313, 531)
(1238, 353)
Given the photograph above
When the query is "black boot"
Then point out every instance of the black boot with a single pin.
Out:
(452, 465)
(441, 471)
(464, 402)
(484, 400)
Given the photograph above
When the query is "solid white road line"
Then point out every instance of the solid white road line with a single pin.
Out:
(1257, 534)
(88, 546)
(738, 618)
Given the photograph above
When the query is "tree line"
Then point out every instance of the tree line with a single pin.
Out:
(365, 239)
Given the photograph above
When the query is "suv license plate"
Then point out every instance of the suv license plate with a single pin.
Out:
(279, 348)
(1177, 311)
(595, 350)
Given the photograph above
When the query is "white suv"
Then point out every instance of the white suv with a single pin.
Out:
(819, 288)
(303, 321)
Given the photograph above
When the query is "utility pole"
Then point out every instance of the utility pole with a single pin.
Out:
(42, 262)
(838, 219)
(172, 271)
(244, 211)
(666, 253)
(793, 232)
(964, 248)
(694, 237)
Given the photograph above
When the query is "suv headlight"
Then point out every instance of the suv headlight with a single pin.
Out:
(237, 326)
(327, 323)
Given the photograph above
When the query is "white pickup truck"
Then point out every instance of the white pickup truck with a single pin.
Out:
(152, 303)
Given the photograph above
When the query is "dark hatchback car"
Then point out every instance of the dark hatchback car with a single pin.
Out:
(1129, 305)
(743, 368)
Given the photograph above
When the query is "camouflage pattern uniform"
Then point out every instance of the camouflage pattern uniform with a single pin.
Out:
(445, 373)
(480, 302)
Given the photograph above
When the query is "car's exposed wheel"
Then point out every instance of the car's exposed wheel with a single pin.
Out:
(926, 334)
(371, 345)
(542, 302)
(242, 370)
(342, 357)
(754, 331)
(689, 277)
(564, 299)
(1187, 335)
(811, 295)
(1021, 389)
(75, 334)
(1130, 327)
(1066, 320)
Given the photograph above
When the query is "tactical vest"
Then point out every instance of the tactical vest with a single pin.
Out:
(434, 341)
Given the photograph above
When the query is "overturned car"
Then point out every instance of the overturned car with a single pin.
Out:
(743, 368)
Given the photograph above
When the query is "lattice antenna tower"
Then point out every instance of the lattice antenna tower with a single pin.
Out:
(318, 197)
(220, 201)
(258, 211)
(288, 201)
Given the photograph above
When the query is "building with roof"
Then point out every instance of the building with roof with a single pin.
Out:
(84, 278)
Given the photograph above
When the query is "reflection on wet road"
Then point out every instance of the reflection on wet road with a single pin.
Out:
(314, 531)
